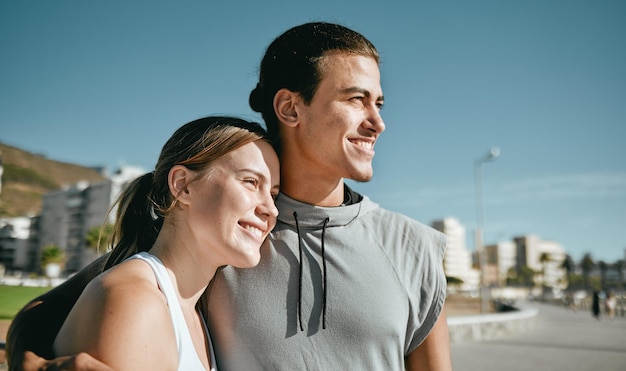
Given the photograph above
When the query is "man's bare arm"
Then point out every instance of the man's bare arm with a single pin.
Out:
(434, 353)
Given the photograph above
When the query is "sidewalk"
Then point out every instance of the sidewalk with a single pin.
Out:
(561, 340)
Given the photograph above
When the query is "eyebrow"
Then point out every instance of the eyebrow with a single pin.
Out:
(252, 171)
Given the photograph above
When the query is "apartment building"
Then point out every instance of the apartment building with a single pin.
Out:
(542, 256)
(501, 257)
(68, 214)
(458, 259)
(14, 243)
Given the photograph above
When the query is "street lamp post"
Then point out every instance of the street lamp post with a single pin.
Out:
(480, 248)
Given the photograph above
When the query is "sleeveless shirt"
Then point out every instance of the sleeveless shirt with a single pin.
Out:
(188, 359)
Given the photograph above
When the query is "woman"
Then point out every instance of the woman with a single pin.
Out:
(208, 203)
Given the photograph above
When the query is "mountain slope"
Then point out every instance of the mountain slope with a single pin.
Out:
(27, 176)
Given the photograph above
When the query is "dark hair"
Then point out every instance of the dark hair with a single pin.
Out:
(292, 61)
(142, 206)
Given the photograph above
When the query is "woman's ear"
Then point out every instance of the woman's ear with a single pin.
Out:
(178, 179)
(285, 102)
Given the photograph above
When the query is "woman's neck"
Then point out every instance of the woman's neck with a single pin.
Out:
(190, 275)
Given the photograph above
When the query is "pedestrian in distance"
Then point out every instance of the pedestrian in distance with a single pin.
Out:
(595, 305)
(610, 304)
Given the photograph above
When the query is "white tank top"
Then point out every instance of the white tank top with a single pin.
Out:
(187, 357)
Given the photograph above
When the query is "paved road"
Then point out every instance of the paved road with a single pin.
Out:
(562, 340)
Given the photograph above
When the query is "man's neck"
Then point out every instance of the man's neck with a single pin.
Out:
(314, 192)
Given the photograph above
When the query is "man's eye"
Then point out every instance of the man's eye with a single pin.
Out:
(252, 181)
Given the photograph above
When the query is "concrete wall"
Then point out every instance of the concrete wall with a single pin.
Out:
(491, 326)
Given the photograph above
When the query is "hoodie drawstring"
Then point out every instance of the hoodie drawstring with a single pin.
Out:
(324, 278)
(300, 273)
(295, 216)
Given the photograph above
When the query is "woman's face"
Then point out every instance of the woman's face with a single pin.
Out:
(231, 207)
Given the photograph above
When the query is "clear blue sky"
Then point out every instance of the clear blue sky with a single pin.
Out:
(107, 82)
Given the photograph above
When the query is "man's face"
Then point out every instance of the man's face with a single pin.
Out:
(339, 127)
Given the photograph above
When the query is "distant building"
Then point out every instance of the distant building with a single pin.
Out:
(33, 264)
(545, 257)
(14, 243)
(501, 257)
(458, 259)
(68, 214)
(119, 181)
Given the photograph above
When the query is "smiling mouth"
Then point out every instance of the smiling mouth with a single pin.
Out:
(254, 230)
(367, 145)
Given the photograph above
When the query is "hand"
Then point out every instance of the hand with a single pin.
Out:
(77, 362)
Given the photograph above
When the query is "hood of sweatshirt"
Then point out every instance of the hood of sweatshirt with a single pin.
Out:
(310, 216)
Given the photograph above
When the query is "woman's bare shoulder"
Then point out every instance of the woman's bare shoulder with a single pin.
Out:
(120, 311)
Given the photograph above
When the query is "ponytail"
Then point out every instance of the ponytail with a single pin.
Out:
(137, 224)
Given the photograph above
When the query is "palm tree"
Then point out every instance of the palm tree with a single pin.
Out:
(619, 266)
(523, 276)
(544, 259)
(98, 235)
(587, 264)
(603, 268)
(52, 259)
(568, 265)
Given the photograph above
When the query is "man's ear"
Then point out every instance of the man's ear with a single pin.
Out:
(285, 102)
(178, 180)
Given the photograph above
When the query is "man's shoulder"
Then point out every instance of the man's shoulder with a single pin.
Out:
(406, 241)
(395, 220)
(396, 229)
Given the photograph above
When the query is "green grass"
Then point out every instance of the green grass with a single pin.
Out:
(13, 298)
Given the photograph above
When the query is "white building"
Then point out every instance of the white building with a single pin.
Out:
(542, 256)
(14, 235)
(458, 259)
(502, 256)
(120, 180)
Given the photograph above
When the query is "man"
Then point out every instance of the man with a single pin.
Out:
(342, 283)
